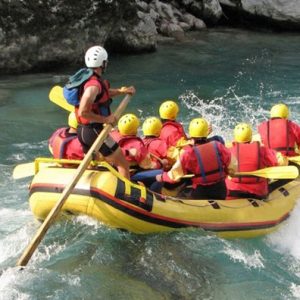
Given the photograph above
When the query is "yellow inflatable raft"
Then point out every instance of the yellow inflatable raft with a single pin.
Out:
(119, 203)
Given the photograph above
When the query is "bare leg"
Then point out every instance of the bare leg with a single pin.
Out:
(118, 159)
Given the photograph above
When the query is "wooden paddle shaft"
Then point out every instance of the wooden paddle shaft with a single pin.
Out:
(68, 189)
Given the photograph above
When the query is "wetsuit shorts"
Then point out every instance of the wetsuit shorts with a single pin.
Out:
(87, 134)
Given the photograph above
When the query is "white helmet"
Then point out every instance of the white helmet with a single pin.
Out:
(95, 56)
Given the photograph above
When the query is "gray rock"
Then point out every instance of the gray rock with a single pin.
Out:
(185, 26)
(199, 24)
(281, 10)
(43, 35)
(208, 10)
(212, 11)
(142, 5)
(194, 22)
(279, 13)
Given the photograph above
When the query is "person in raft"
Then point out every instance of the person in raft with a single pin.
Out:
(95, 95)
(64, 142)
(251, 156)
(157, 147)
(132, 146)
(171, 131)
(209, 161)
(279, 133)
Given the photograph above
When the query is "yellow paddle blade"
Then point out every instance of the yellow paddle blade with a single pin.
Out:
(283, 172)
(28, 169)
(188, 176)
(31, 168)
(295, 159)
(56, 96)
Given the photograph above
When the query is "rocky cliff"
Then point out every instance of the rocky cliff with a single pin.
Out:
(40, 35)
(275, 14)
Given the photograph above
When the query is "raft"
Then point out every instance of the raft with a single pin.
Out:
(117, 202)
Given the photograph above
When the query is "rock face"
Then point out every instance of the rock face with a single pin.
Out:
(43, 35)
(278, 14)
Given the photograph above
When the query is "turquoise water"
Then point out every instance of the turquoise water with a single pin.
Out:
(227, 76)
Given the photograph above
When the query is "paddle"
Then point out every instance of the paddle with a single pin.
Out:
(56, 96)
(295, 159)
(282, 172)
(31, 168)
(69, 187)
(27, 169)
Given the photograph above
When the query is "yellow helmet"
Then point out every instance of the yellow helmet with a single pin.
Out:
(198, 128)
(72, 121)
(242, 133)
(279, 111)
(152, 126)
(168, 110)
(128, 124)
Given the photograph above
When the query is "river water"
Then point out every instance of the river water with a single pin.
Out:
(225, 75)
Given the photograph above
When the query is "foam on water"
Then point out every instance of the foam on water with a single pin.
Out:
(218, 111)
(9, 281)
(24, 152)
(12, 244)
(72, 280)
(90, 222)
(8, 217)
(46, 252)
(249, 260)
(286, 240)
(295, 291)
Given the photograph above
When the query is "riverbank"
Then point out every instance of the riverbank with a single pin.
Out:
(44, 36)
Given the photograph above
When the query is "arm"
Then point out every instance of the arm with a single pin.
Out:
(229, 160)
(121, 91)
(85, 107)
(272, 158)
(147, 163)
(232, 167)
(296, 130)
(174, 175)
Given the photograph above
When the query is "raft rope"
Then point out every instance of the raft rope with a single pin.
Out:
(218, 203)
(183, 201)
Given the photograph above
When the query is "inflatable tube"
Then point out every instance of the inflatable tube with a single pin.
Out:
(104, 195)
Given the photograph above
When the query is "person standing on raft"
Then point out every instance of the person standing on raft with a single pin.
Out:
(96, 94)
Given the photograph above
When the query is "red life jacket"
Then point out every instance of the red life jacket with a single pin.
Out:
(170, 135)
(148, 140)
(209, 163)
(157, 147)
(248, 159)
(278, 136)
(122, 140)
(101, 105)
(59, 141)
